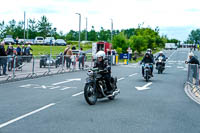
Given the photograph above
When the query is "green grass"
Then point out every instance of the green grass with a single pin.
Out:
(41, 50)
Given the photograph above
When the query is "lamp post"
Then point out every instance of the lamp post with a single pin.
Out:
(79, 40)
(86, 30)
(24, 26)
(111, 29)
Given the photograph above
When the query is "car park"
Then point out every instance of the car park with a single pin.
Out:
(9, 40)
(39, 40)
(49, 41)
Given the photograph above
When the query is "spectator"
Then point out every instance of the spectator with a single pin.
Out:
(68, 54)
(3, 58)
(28, 50)
(19, 50)
(81, 58)
(23, 50)
(195, 65)
(10, 50)
(73, 47)
(17, 40)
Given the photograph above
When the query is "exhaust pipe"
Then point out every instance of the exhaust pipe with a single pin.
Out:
(116, 92)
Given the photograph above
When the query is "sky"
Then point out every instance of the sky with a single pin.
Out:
(175, 18)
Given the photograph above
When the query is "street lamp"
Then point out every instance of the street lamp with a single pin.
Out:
(111, 29)
(79, 29)
(86, 30)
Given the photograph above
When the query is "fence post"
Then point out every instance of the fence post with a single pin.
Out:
(33, 67)
(14, 58)
(49, 65)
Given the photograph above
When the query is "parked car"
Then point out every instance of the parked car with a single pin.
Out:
(48, 40)
(39, 40)
(29, 41)
(9, 40)
(60, 42)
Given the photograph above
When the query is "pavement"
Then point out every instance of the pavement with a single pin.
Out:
(55, 104)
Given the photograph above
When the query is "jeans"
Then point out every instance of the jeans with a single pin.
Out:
(81, 62)
(68, 62)
(3, 64)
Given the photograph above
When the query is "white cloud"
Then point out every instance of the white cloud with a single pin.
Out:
(125, 13)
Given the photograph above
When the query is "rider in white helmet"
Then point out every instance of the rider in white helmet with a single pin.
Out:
(161, 54)
(102, 64)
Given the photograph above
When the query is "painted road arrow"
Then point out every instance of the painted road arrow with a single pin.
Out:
(145, 87)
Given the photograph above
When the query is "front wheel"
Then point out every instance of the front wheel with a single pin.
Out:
(90, 94)
(147, 76)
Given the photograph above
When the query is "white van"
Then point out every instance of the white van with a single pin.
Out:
(39, 40)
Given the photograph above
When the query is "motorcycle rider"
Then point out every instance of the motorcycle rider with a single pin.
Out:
(147, 59)
(161, 54)
(150, 53)
(102, 64)
(192, 59)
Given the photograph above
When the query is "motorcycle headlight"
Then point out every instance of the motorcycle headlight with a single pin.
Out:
(90, 73)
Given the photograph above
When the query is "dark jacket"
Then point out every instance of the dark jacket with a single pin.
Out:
(147, 60)
(10, 51)
(101, 65)
(2, 51)
(19, 50)
(193, 60)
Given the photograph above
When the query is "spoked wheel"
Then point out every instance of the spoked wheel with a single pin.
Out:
(90, 94)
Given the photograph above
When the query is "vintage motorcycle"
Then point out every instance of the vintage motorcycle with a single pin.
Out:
(95, 87)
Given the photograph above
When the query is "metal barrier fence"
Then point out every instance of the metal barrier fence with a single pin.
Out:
(193, 78)
(19, 67)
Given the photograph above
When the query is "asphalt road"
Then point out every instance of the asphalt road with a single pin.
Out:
(55, 104)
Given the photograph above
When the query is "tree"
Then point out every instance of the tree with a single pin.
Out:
(138, 43)
(194, 36)
(2, 29)
(92, 35)
(32, 28)
(44, 27)
(120, 41)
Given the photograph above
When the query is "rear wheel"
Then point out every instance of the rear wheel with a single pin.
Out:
(90, 94)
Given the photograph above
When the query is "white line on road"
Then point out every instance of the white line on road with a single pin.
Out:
(66, 88)
(180, 67)
(26, 115)
(66, 81)
(171, 56)
(120, 79)
(133, 74)
(52, 88)
(27, 85)
(77, 94)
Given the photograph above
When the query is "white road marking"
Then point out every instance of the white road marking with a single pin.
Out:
(77, 94)
(171, 56)
(24, 86)
(168, 66)
(52, 88)
(180, 67)
(26, 115)
(66, 88)
(66, 81)
(145, 87)
(43, 86)
(120, 79)
(133, 74)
